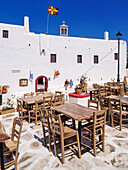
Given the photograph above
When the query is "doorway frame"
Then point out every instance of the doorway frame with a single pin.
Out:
(36, 81)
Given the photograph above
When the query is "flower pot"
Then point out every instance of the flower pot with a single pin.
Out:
(4, 91)
(78, 91)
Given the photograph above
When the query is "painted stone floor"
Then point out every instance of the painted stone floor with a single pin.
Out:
(33, 155)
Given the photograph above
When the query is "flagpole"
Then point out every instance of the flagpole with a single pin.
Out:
(48, 18)
(47, 22)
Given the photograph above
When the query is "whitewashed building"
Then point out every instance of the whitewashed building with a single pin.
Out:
(23, 53)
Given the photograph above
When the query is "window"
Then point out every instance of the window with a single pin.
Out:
(79, 58)
(53, 58)
(116, 56)
(23, 82)
(5, 34)
(96, 59)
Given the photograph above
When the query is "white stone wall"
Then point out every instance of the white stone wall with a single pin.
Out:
(23, 51)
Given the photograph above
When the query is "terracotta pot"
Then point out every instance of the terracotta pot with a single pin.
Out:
(78, 91)
(4, 91)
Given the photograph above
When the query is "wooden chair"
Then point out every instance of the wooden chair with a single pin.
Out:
(11, 146)
(121, 91)
(46, 92)
(94, 130)
(62, 134)
(118, 115)
(58, 92)
(93, 104)
(108, 90)
(104, 105)
(23, 113)
(58, 100)
(44, 117)
(34, 114)
(47, 102)
(28, 95)
(39, 93)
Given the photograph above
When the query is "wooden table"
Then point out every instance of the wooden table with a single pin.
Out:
(124, 100)
(3, 137)
(32, 99)
(91, 90)
(75, 112)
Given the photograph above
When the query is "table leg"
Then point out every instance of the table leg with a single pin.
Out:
(116, 92)
(74, 125)
(2, 156)
(79, 131)
(90, 95)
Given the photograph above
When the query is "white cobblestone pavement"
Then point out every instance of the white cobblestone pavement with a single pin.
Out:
(33, 155)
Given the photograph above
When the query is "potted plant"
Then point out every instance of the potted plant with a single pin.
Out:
(83, 79)
(8, 108)
(78, 89)
(4, 89)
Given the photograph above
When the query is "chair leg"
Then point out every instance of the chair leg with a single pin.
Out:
(29, 117)
(55, 148)
(36, 118)
(78, 144)
(50, 147)
(94, 146)
(44, 136)
(103, 139)
(120, 122)
(21, 116)
(16, 157)
(112, 119)
(62, 149)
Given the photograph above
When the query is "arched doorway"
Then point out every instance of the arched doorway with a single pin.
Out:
(41, 84)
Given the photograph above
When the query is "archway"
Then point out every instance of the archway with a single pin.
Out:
(41, 84)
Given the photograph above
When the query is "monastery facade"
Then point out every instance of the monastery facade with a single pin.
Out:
(28, 60)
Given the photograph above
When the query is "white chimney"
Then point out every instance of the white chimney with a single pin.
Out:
(26, 23)
(106, 35)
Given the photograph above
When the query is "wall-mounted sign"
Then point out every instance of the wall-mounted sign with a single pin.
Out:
(15, 71)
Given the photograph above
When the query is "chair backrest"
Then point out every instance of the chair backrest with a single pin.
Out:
(44, 117)
(104, 103)
(102, 89)
(99, 120)
(93, 104)
(38, 93)
(46, 92)
(122, 90)
(18, 104)
(47, 102)
(115, 104)
(56, 123)
(16, 131)
(58, 92)
(28, 95)
(102, 95)
(58, 100)
(95, 85)
(38, 103)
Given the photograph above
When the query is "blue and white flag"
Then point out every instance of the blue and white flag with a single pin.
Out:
(30, 76)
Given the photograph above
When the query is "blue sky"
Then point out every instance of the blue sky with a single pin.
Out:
(88, 18)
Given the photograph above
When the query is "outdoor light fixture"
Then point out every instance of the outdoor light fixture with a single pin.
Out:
(119, 36)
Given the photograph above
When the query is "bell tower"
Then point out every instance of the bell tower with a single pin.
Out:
(63, 29)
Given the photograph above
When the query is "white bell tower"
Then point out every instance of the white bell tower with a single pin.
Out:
(63, 29)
